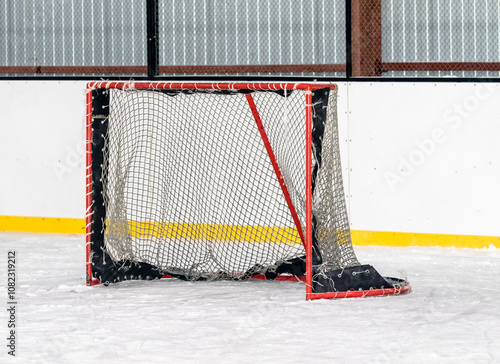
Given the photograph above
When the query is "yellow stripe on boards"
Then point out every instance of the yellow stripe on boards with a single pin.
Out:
(247, 233)
(382, 238)
(42, 224)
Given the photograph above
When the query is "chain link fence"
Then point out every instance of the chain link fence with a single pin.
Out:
(245, 38)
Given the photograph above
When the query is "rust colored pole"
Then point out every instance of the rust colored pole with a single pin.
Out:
(366, 23)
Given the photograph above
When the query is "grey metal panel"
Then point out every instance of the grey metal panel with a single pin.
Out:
(72, 33)
(252, 32)
(441, 31)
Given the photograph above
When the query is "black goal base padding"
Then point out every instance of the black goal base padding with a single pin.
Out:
(359, 278)
(124, 270)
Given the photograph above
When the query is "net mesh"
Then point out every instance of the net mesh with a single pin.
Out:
(189, 186)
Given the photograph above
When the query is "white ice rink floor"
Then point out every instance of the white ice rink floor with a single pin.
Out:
(451, 316)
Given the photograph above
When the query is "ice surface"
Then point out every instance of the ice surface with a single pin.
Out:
(452, 315)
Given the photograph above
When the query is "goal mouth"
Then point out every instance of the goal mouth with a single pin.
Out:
(206, 181)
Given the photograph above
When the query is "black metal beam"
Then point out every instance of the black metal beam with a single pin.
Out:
(152, 38)
(348, 39)
(267, 78)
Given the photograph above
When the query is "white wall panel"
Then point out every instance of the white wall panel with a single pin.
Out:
(425, 157)
(42, 159)
(417, 157)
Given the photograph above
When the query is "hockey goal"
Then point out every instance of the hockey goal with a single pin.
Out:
(205, 181)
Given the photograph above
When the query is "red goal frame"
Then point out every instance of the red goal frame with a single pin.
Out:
(306, 236)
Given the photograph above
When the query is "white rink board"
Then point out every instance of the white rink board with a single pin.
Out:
(395, 179)
(42, 148)
(425, 157)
